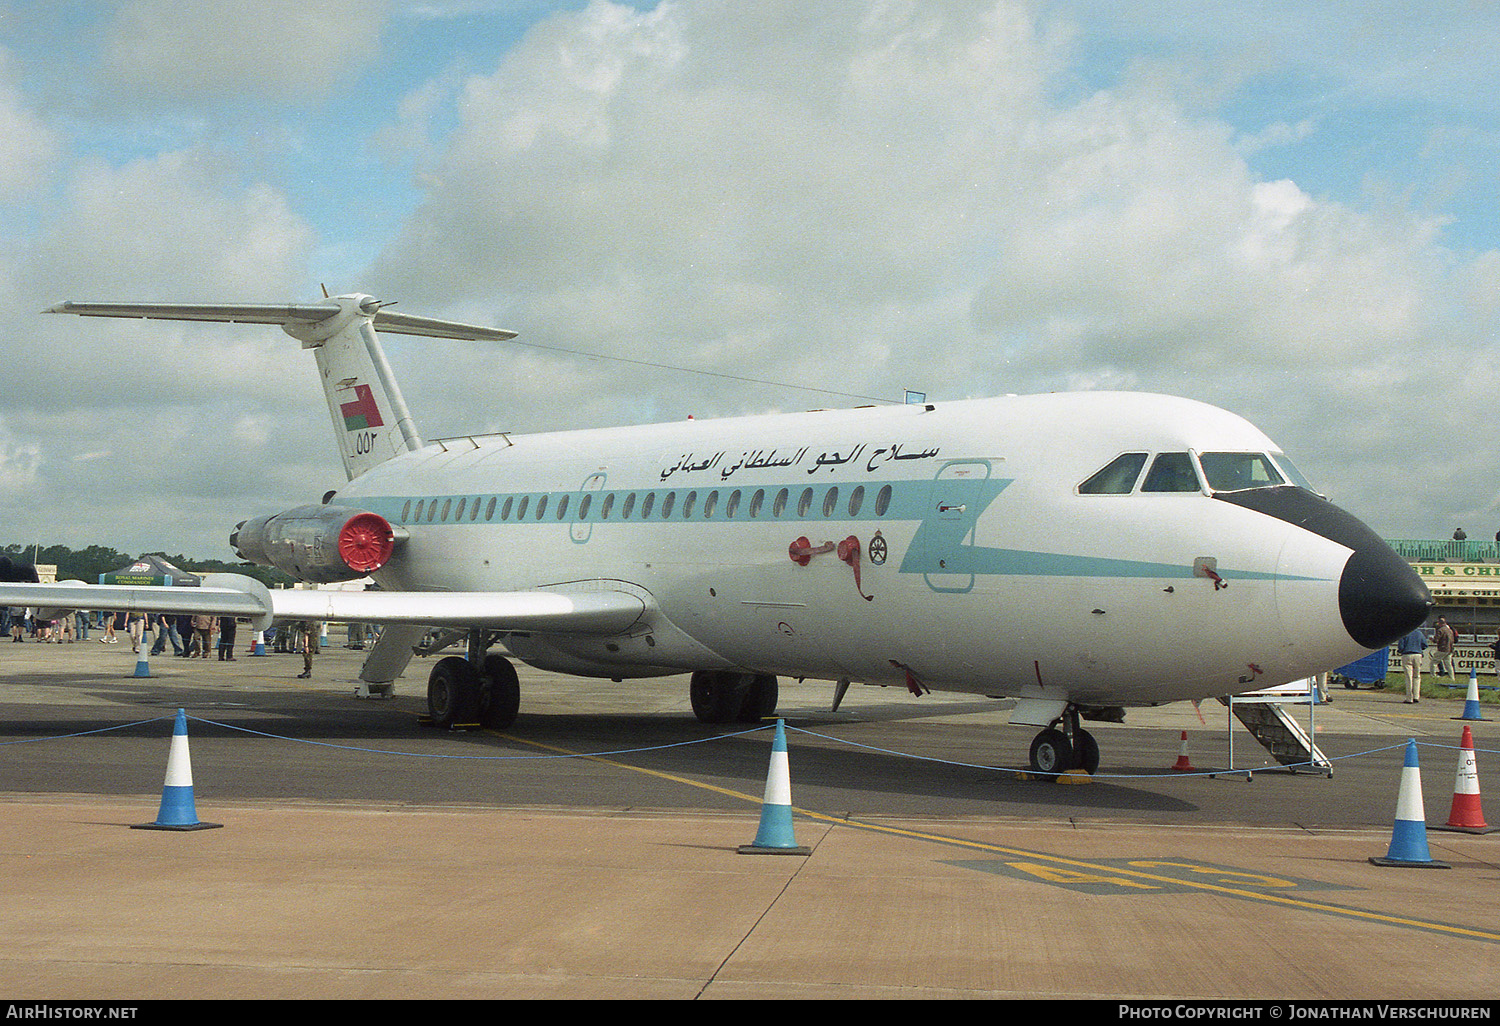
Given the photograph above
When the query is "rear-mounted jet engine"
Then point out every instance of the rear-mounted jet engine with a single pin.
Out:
(318, 544)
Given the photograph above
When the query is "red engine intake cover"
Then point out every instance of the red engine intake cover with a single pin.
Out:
(366, 542)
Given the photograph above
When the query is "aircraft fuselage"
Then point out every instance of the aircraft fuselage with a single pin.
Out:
(864, 544)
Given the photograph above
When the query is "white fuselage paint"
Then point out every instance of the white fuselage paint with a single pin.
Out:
(998, 577)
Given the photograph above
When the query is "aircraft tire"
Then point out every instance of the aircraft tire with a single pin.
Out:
(717, 696)
(453, 692)
(1051, 753)
(501, 698)
(1086, 750)
(760, 700)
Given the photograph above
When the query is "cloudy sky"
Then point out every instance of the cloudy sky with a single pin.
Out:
(1287, 209)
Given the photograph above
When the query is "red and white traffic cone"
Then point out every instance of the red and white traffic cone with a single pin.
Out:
(1466, 816)
(1183, 765)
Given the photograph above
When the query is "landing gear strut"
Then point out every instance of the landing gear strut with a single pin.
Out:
(480, 690)
(1064, 746)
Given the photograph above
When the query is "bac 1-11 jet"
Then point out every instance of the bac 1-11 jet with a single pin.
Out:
(1079, 552)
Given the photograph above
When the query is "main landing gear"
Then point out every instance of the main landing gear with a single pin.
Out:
(1064, 746)
(480, 690)
(723, 696)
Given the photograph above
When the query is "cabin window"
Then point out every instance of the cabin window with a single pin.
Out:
(1236, 471)
(463, 504)
(562, 507)
(629, 507)
(421, 504)
(733, 505)
(709, 504)
(510, 501)
(541, 507)
(882, 501)
(688, 503)
(667, 502)
(856, 500)
(1172, 472)
(521, 507)
(805, 502)
(606, 506)
(432, 511)
(489, 508)
(830, 502)
(1118, 476)
(447, 505)
(474, 509)
(756, 502)
(779, 506)
(406, 511)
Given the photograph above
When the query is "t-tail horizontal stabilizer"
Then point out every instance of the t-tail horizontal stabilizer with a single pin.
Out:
(370, 417)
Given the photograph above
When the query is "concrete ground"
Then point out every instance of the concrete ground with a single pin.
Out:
(623, 880)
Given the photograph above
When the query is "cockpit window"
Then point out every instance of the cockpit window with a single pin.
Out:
(1172, 472)
(1236, 471)
(1118, 478)
(1293, 474)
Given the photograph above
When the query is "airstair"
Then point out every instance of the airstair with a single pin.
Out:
(1265, 715)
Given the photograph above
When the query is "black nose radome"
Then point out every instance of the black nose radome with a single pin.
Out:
(1381, 598)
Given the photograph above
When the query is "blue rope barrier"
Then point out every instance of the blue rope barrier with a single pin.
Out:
(476, 758)
(1168, 775)
(85, 733)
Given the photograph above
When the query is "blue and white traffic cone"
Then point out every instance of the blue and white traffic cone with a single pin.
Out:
(1471, 703)
(142, 659)
(775, 835)
(258, 646)
(1409, 838)
(178, 811)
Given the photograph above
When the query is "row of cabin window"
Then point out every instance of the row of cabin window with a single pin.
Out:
(516, 508)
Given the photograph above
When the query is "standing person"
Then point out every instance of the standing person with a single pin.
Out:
(185, 635)
(1444, 640)
(109, 630)
(136, 625)
(166, 630)
(308, 632)
(226, 639)
(203, 633)
(1410, 649)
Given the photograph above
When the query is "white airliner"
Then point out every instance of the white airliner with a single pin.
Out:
(1080, 552)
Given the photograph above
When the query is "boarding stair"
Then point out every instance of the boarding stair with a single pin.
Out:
(1280, 734)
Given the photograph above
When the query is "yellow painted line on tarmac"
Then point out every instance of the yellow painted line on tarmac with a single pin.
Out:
(1145, 879)
(674, 778)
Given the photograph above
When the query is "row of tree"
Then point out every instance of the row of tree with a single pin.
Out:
(87, 564)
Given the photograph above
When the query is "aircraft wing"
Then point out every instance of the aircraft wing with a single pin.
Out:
(594, 612)
(587, 610)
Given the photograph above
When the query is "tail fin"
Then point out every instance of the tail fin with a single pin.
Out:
(370, 418)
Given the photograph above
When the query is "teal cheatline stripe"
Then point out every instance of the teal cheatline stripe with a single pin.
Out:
(989, 562)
